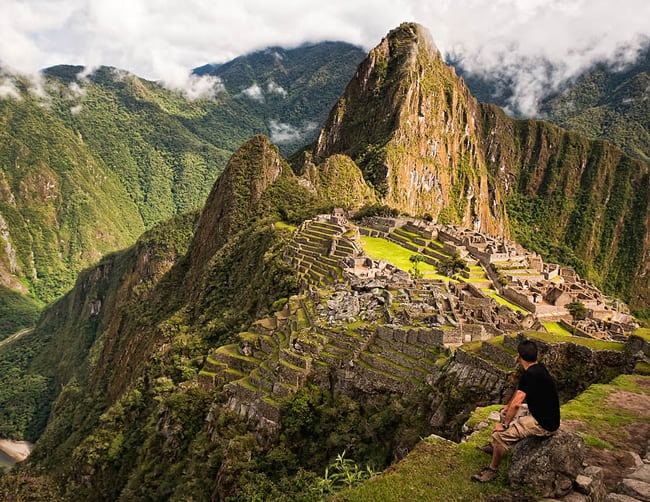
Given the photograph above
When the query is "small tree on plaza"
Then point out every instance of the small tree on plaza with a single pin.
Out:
(415, 271)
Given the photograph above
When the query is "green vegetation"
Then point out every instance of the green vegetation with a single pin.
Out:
(435, 470)
(643, 333)
(113, 154)
(616, 405)
(299, 88)
(577, 310)
(108, 380)
(416, 259)
(556, 328)
(381, 249)
(343, 473)
(376, 210)
(439, 470)
(608, 103)
(453, 265)
(587, 342)
(502, 301)
(16, 312)
(24, 393)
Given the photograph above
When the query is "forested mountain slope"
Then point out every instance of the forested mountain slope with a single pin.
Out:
(88, 163)
(609, 101)
(143, 380)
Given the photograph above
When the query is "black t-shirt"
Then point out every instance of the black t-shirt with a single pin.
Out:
(541, 396)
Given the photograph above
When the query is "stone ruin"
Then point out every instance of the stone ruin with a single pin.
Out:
(369, 326)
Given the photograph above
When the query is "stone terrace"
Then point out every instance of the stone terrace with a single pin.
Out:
(363, 325)
(317, 250)
(510, 271)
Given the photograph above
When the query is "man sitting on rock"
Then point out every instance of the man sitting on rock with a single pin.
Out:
(537, 387)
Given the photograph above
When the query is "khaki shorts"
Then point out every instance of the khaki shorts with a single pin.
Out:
(520, 428)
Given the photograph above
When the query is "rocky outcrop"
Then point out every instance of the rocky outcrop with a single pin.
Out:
(427, 146)
(412, 126)
(547, 466)
(234, 198)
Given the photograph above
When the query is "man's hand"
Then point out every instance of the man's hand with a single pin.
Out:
(498, 427)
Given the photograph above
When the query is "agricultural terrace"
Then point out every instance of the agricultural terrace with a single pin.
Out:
(378, 248)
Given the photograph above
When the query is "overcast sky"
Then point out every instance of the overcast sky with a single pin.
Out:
(163, 39)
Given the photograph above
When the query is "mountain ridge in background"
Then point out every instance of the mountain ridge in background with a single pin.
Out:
(152, 154)
(130, 382)
(607, 101)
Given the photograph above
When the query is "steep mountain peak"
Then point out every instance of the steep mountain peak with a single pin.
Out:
(412, 126)
(235, 197)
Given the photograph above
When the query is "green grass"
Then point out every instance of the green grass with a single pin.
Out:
(381, 249)
(476, 279)
(17, 312)
(233, 351)
(592, 343)
(286, 226)
(642, 368)
(643, 333)
(603, 420)
(502, 301)
(435, 470)
(556, 328)
(247, 336)
(406, 233)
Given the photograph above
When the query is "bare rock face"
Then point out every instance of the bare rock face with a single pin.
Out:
(548, 466)
(413, 127)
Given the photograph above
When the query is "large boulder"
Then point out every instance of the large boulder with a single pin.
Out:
(549, 465)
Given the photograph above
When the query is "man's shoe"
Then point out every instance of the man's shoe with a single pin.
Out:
(486, 448)
(486, 474)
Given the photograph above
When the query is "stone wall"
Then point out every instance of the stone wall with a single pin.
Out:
(518, 298)
(499, 355)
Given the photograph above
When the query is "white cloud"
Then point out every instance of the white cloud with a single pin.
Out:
(286, 133)
(196, 87)
(37, 86)
(162, 40)
(119, 74)
(542, 44)
(8, 90)
(76, 90)
(272, 87)
(254, 92)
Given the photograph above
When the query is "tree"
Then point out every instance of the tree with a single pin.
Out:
(415, 271)
(452, 265)
(577, 310)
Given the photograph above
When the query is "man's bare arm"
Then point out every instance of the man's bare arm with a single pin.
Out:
(512, 408)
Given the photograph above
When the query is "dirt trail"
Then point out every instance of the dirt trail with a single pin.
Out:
(18, 450)
(15, 336)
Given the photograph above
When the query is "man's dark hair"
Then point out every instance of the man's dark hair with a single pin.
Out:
(528, 351)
